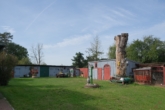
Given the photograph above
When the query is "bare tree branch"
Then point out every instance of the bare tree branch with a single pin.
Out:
(37, 54)
(95, 50)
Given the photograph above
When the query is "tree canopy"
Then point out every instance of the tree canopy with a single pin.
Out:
(25, 61)
(149, 49)
(79, 61)
(15, 49)
(112, 51)
(5, 37)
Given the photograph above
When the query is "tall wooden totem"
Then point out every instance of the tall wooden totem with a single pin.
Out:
(121, 64)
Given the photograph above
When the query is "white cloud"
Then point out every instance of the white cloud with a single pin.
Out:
(126, 12)
(70, 42)
(8, 29)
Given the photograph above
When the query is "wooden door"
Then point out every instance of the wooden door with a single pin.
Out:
(107, 73)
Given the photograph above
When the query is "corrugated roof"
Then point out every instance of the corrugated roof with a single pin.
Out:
(150, 64)
(112, 60)
(145, 68)
(49, 65)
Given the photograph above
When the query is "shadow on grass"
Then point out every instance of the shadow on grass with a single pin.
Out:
(47, 97)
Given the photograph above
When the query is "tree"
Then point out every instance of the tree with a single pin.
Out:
(17, 50)
(150, 49)
(78, 60)
(112, 51)
(25, 61)
(6, 37)
(7, 63)
(37, 54)
(12, 48)
(95, 50)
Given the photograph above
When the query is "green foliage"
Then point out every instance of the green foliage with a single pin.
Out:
(148, 50)
(16, 50)
(112, 52)
(7, 63)
(6, 37)
(78, 60)
(12, 48)
(95, 50)
(25, 61)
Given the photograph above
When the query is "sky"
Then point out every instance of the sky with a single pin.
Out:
(65, 27)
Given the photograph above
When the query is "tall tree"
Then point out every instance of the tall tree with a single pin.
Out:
(12, 48)
(112, 51)
(15, 49)
(150, 49)
(78, 60)
(95, 50)
(5, 37)
(37, 53)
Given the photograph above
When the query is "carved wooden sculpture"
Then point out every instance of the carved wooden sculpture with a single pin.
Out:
(121, 42)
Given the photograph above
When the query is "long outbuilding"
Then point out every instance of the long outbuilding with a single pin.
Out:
(43, 70)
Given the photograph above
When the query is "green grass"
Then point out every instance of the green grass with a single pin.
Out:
(70, 94)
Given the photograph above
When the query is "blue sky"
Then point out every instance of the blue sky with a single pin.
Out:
(65, 27)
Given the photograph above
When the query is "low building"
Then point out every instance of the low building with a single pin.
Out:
(43, 70)
(150, 74)
(105, 69)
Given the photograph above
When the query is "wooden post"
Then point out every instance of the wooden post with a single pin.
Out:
(121, 42)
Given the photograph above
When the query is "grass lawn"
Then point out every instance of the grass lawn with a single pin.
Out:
(70, 94)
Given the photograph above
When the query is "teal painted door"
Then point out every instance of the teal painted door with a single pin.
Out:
(44, 71)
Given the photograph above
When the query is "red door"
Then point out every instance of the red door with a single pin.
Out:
(99, 73)
(107, 73)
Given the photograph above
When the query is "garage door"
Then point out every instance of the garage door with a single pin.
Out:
(44, 71)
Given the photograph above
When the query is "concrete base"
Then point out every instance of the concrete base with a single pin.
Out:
(33, 76)
(92, 86)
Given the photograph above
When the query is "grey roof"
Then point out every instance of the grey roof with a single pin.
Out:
(112, 60)
(145, 68)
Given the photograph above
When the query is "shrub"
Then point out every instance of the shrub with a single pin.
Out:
(7, 63)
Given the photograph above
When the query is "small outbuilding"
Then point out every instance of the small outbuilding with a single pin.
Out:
(150, 74)
(105, 69)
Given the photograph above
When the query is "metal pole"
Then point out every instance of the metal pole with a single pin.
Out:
(91, 75)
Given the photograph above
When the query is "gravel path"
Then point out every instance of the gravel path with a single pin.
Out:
(4, 104)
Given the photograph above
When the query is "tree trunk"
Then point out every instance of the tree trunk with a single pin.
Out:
(121, 42)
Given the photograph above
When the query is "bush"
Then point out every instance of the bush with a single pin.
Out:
(7, 63)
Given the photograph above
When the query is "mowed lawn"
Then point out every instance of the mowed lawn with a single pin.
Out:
(70, 94)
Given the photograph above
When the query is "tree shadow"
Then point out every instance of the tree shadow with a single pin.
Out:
(48, 97)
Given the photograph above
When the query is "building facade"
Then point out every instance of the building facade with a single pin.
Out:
(150, 74)
(43, 70)
(105, 69)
